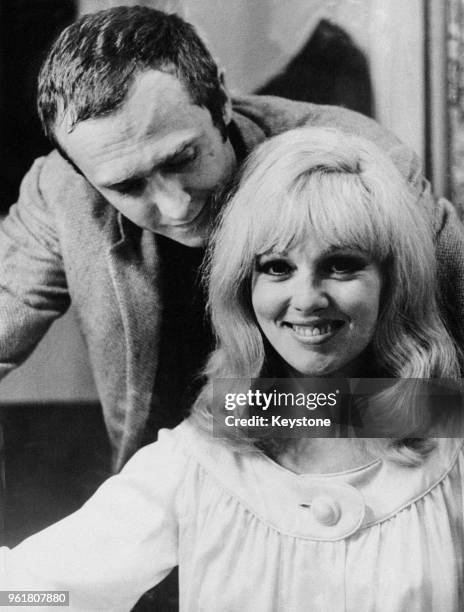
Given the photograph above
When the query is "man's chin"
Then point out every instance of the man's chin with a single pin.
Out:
(187, 235)
(192, 234)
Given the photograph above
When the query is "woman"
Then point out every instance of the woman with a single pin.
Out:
(321, 266)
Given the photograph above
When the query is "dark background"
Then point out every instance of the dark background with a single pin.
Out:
(27, 28)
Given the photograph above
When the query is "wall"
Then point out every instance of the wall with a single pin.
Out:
(58, 369)
(255, 39)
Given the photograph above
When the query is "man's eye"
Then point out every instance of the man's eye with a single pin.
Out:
(130, 187)
(274, 267)
(181, 161)
(345, 264)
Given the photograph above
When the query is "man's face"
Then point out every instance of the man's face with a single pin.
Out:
(157, 159)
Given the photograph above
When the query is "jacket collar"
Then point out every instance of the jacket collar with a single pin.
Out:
(250, 133)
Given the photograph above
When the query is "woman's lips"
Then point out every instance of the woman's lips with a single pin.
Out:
(314, 333)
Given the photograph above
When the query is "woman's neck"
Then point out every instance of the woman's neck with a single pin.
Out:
(327, 454)
(324, 455)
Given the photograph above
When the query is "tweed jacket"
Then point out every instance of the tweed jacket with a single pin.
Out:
(63, 242)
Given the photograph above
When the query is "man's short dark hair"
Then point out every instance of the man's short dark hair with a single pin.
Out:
(91, 66)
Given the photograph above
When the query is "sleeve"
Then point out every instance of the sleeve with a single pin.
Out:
(447, 228)
(33, 290)
(449, 236)
(448, 233)
(122, 542)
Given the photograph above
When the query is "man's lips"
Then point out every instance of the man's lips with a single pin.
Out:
(184, 224)
(315, 332)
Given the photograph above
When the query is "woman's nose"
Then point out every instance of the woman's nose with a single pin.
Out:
(309, 294)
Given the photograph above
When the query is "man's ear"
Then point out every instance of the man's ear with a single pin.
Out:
(227, 106)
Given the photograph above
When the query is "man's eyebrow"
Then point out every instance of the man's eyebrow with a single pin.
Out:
(113, 182)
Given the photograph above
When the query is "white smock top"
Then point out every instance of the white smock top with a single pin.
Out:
(249, 535)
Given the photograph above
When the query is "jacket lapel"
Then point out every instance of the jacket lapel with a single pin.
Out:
(133, 266)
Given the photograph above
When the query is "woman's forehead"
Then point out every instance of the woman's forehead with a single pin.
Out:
(323, 237)
(313, 246)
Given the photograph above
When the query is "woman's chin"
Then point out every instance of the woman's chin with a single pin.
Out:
(353, 369)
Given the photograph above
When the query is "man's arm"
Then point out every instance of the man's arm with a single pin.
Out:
(33, 290)
(449, 237)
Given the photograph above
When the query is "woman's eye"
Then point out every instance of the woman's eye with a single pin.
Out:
(341, 265)
(275, 267)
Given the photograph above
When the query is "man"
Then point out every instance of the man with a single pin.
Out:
(116, 219)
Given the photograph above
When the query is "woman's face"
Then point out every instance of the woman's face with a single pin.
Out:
(318, 308)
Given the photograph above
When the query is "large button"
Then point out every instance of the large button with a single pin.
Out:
(326, 511)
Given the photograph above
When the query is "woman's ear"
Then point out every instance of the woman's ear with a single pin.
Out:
(227, 106)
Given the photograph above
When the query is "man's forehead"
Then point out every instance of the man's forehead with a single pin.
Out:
(156, 87)
(157, 112)
(151, 90)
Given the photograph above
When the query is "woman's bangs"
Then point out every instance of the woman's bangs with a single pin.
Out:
(281, 222)
(343, 214)
(336, 206)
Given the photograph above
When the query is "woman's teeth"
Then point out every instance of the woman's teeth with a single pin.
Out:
(307, 331)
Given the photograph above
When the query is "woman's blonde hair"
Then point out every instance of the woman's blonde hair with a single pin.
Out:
(343, 188)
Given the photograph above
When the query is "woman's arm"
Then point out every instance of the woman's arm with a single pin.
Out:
(119, 544)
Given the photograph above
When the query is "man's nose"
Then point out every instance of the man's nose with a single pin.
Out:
(309, 294)
(170, 198)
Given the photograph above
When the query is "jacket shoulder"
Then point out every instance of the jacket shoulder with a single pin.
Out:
(55, 185)
(57, 178)
(275, 115)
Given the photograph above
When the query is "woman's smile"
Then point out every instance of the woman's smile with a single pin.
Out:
(315, 332)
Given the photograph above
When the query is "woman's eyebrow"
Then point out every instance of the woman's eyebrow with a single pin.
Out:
(272, 253)
(344, 249)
